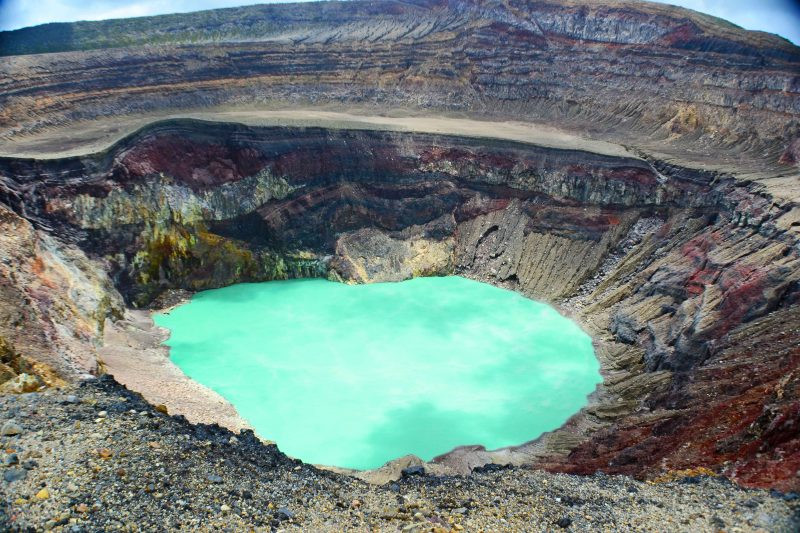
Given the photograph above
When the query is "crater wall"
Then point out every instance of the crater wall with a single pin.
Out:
(654, 76)
(654, 197)
(686, 279)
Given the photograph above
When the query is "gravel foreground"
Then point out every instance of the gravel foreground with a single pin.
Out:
(96, 457)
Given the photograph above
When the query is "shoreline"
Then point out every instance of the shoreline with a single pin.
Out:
(134, 355)
(119, 464)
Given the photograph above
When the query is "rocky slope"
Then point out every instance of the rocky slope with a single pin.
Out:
(675, 244)
(99, 458)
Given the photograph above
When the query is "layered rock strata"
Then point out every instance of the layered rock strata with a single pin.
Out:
(679, 274)
(679, 83)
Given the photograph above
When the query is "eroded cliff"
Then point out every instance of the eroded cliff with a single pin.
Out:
(655, 76)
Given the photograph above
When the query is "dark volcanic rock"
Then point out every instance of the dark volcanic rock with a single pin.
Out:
(159, 483)
(14, 474)
(417, 470)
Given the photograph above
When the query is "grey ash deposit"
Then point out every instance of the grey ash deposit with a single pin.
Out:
(96, 457)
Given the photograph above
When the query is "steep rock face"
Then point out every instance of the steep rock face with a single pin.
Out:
(54, 301)
(674, 271)
(653, 76)
(736, 413)
(246, 203)
(369, 255)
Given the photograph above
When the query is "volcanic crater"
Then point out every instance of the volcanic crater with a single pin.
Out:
(634, 165)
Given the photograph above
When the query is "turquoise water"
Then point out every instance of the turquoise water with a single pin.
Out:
(356, 375)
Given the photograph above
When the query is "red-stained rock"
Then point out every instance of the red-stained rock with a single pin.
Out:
(197, 164)
(737, 414)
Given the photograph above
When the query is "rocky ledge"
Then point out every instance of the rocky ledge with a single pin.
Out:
(97, 457)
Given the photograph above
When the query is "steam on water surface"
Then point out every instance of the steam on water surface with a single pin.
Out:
(354, 376)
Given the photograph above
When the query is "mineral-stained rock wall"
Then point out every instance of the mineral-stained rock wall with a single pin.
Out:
(54, 300)
(677, 273)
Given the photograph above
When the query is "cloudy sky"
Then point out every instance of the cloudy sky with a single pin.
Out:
(775, 16)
